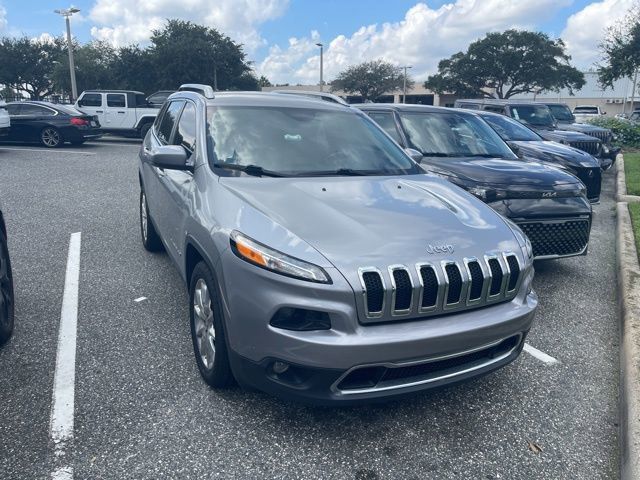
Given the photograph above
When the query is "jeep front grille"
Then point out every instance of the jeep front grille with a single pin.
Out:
(431, 288)
(592, 148)
(604, 136)
(557, 238)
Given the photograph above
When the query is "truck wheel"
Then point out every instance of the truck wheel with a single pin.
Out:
(207, 329)
(144, 129)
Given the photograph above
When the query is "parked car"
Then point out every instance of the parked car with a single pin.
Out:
(50, 124)
(565, 120)
(155, 100)
(585, 112)
(277, 208)
(538, 117)
(6, 286)
(5, 121)
(635, 116)
(121, 112)
(548, 204)
(529, 145)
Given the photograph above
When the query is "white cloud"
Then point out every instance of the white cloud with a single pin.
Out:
(424, 37)
(126, 21)
(585, 29)
(3, 18)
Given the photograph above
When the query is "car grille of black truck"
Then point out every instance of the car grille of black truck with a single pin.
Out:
(435, 288)
(592, 148)
(592, 179)
(557, 238)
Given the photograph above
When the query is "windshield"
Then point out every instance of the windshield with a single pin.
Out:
(537, 115)
(510, 130)
(562, 113)
(303, 141)
(453, 135)
(69, 109)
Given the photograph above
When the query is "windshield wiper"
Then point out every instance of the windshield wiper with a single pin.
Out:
(438, 154)
(485, 155)
(253, 170)
(347, 172)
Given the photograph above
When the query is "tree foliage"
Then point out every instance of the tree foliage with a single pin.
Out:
(621, 49)
(371, 80)
(507, 64)
(181, 52)
(28, 65)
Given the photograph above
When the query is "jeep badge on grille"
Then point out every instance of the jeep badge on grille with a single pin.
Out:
(439, 248)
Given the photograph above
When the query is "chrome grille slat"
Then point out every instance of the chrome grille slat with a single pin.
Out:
(433, 288)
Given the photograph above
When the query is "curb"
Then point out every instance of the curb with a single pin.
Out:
(629, 307)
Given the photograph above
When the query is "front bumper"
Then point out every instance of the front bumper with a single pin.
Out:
(556, 227)
(318, 361)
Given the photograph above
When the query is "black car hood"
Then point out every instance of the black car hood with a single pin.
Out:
(496, 171)
(564, 135)
(581, 127)
(554, 152)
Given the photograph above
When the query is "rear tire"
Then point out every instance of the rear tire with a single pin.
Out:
(207, 329)
(144, 129)
(150, 238)
(6, 292)
(51, 137)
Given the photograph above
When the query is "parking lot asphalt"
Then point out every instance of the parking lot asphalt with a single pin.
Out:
(142, 411)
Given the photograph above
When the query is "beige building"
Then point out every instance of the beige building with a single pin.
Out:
(611, 101)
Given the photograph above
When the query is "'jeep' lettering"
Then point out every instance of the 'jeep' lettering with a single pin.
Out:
(440, 249)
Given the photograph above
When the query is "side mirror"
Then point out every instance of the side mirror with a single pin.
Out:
(172, 157)
(415, 155)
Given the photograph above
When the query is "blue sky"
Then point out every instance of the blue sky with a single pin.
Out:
(280, 34)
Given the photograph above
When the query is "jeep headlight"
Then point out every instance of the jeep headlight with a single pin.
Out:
(275, 261)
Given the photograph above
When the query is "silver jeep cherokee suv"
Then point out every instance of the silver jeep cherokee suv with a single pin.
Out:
(322, 262)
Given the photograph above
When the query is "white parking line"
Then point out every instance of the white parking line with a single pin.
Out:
(543, 357)
(62, 403)
(48, 150)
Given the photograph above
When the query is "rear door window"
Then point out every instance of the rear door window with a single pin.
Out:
(14, 109)
(35, 110)
(168, 121)
(91, 100)
(116, 100)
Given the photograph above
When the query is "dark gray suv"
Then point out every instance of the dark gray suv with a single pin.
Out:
(322, 262)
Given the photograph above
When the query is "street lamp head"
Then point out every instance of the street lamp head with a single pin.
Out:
(67, 12)
(319, 45)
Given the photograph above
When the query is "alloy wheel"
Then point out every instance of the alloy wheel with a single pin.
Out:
(50, 137)
(203, 322)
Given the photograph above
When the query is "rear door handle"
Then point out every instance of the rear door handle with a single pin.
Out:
(120, 112)
(99, 111)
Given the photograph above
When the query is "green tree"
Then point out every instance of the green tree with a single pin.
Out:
(134, 68)
(371, 80)
(183, 52)
(621, 49)
(264, 82)
(507, 64)
(28, 65)
(93, 64)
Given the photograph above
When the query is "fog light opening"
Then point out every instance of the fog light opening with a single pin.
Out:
(279, 367)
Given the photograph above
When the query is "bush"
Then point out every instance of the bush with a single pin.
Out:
(627, 133)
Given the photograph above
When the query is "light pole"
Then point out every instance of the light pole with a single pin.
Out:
(404, 83)
(66, 13)
(321, 60)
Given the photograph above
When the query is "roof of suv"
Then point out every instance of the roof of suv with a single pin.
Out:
(262, 99)
(401, 107)
(500, 101)
(113, 91)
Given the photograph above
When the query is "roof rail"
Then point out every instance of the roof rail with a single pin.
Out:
(327, 97)
(204, 90)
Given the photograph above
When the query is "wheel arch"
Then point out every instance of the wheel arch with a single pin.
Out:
(144, 121)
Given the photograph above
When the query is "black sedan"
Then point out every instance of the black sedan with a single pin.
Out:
(50, 124)
(531, 146)
(6, 286)
(547, 203)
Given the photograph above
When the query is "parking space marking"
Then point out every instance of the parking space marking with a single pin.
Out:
(543, 357)
(62, 402)
(47, 150)
(139, 299)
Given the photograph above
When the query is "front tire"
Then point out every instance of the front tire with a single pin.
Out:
(150, 238)
(6, 292)
(207, 329)
(51, 137)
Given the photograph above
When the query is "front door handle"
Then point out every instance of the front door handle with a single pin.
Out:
(99, 111)
(120, 112)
